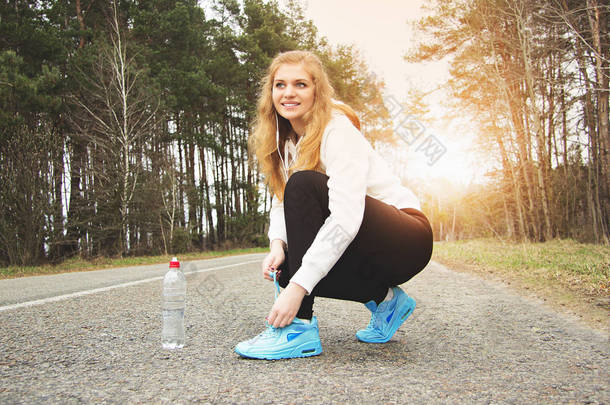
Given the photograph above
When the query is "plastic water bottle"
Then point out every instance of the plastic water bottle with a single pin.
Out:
(174, 302)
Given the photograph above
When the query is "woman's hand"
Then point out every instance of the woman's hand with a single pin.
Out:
(286, 306)
(273, 260)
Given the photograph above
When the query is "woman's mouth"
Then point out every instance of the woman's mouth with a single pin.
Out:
(290, 105)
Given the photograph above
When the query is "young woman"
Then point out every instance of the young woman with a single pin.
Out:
(341, 224)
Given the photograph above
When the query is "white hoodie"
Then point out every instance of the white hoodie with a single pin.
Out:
(355, 170)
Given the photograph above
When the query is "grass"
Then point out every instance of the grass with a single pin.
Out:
(79, 264)
(564, 272)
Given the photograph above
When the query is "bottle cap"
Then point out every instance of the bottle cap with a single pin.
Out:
(174, 263)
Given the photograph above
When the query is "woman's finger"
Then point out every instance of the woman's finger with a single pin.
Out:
(271, 317)
(266, 274)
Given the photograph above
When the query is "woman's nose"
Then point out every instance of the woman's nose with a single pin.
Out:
(289, 90)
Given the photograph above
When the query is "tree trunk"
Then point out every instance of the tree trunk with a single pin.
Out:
(76, 204)
(211, 240)
(599, 28)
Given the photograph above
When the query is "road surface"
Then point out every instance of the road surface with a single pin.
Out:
(94, 337)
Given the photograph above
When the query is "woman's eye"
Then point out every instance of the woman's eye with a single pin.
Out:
(301, 85)
(279, 85)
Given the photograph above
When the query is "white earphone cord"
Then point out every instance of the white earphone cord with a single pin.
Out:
(277, 142)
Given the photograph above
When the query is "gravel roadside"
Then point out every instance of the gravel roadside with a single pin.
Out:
(469, 341)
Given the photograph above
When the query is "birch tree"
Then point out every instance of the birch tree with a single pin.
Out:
(117, 112)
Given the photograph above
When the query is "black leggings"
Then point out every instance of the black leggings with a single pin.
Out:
(391, 246)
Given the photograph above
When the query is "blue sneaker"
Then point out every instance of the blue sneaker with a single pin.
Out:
(299, 339)
(387, 317)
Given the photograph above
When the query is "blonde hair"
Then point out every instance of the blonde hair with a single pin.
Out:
(263, 139)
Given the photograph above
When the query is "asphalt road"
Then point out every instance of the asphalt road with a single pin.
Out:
(94, 337)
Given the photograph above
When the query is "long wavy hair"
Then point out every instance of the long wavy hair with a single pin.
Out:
(263, 141)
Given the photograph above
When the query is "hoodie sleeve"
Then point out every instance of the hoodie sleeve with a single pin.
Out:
(277, 223)
(344, 152)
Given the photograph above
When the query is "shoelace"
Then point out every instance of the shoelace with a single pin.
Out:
(376, 319)
(277, 285)
(374, 322)
(270, 330)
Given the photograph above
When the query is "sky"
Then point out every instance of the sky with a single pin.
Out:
(381, 31)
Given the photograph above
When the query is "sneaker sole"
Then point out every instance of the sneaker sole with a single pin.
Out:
(306, 349)
(405, 310)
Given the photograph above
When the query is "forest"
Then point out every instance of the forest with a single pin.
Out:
(532, 76)
(124, 124)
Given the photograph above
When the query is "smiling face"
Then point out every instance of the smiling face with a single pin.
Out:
(293, 94)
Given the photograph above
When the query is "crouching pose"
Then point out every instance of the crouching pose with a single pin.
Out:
(341, 224)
